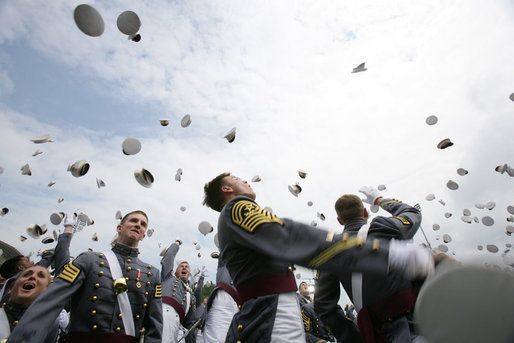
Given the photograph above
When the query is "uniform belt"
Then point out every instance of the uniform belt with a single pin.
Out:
(266, 285)
(230, 290)
(176, 305)
(97, 337)
(372, 316)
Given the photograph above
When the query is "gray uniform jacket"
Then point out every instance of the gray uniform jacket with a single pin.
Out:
(88, 283)
(174, 287)
(403, 224)
(255, 243)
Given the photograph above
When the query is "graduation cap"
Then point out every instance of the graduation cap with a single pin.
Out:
(321, 216)
(51, 183)
(118, 215)
(186, 121)
(295, 189)
(487, 221)
(144, 177)
(361, 67)
(510, 209)
(302, 174)
(47, 240)
(94, 238)
(462, 171)
(480, 206)
(445, 143)
(36, 231)
(205, 228)
(381, 187)
(79, 168)
(452, 185)
(25, 170)
(37, 152)
(490, 205)
(441, 201)
(131, 146)
(149, 232)
(60, 200)
(164, 122)
(447, 238)
(466, 212)
(56, 218)
(128, 23)
(231, 135)
(479, 247)
(447, 214)
(88, 20)
(436, 227)
(42, 139)
(4, 211)
(182, 208)
(178, 174)
(466, 219)
(216, 241)
(23, 238)
(492, 248)
(309, 203)
(256, 178)
(215, 254)
(443, 248)
(313, 223)
(430, 197)
(100, 183)
(431, 120)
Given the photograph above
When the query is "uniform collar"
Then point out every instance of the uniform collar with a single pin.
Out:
(125, 250)
(354, 225)
(15, 311)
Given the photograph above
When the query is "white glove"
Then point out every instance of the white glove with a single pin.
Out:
(371, 194)
(414, 261)
(70, 219)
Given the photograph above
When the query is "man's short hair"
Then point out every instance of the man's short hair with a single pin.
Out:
(349, 207)
(213, 196)
(125, 217)
(10, 267)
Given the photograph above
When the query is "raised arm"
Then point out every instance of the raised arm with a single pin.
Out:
(168, 261)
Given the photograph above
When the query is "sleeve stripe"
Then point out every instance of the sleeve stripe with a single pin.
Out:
(332, 251)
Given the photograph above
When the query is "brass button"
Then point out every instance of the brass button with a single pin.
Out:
(118, 329)
(148, 283)
(119, 316)
(15, 322)
(146, 293)
(100, 273)
(137, 316)
(149, 274)
(149, 266)
(93, 312)
(129, 260)
(360, 242)
(126, 278)
(145, 305)
(97, 285)
(129, 268)
(101, 255)
(240, 328)
(376, 245)
(289, 268)
(94, 327)
(94, 298)
(102, 263)
(345, 236)
(238, 342)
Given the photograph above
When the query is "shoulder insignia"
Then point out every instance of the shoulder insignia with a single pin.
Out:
(306, 322)
(70, 273)
(333, 250)
(404, 220)
(248, 215)
(158, 291)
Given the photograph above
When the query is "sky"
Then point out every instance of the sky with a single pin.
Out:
(280, 72)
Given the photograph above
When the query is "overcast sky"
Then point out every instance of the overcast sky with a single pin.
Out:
(279, 71)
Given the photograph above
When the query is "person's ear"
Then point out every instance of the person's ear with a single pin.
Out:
(226, 189)
(118, 228)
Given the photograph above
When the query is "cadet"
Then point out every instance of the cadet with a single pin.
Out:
(382, 302)
(258, 247)
(115, 297)
(222, 305)
(179, 303)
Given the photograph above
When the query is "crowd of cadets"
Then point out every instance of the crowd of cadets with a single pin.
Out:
(113, 296)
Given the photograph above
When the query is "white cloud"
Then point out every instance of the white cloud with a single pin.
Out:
(280, 72)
